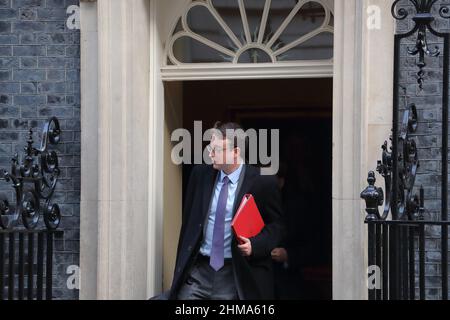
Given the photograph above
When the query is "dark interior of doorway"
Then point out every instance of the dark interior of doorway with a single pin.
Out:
(302, 110)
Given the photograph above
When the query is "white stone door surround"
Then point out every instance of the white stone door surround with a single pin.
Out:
(122, 46)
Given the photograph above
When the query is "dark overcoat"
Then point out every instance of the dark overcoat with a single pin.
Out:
(253, 275)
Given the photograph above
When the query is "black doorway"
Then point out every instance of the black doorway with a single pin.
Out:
(302, 110)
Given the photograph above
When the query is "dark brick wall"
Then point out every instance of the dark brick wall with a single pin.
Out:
(428, 137)
(40, 78)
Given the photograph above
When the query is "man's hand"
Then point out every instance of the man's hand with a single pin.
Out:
(279, 255)
(246, 247)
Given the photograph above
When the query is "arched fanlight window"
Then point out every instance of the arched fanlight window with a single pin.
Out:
(252, 31)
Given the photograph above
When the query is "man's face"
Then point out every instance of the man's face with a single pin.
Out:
(221, 154)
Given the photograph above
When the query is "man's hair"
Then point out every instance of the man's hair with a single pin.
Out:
(238, 134)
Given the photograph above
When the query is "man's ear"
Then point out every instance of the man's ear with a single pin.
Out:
(237, 152)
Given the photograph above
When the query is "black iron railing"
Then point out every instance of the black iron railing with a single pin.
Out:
(26, 264)
(397, 242)
(401, 263)
(26, 248)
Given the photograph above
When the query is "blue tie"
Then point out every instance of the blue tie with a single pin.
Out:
(217, 251)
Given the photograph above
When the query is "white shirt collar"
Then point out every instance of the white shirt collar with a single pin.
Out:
(234, 177)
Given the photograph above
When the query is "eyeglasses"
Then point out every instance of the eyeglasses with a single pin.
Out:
(214, 149)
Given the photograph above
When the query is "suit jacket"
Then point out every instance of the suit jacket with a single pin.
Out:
(253, 275)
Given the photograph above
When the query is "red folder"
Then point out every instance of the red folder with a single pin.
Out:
(247, 222)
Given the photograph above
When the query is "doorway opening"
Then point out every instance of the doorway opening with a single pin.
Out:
(302, 110)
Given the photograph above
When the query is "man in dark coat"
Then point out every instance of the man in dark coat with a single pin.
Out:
(211, 263)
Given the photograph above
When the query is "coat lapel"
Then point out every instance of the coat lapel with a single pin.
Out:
(246, 180)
